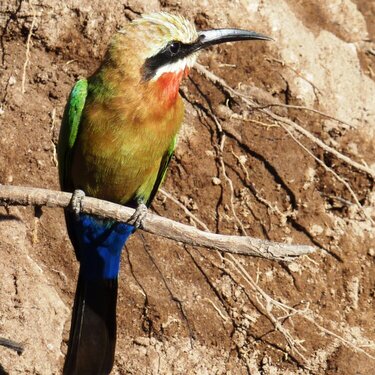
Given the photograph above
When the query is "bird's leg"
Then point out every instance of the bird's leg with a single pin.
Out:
(139, 215)
(76, 201)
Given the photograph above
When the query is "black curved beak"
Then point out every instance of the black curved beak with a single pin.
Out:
(216, 36)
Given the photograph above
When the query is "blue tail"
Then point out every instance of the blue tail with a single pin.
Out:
(98, 245)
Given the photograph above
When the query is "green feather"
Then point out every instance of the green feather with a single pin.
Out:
(162, 171)
(69, 130)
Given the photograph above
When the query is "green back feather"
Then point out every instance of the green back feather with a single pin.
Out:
(69, 130)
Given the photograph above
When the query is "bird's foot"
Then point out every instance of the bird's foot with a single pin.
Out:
(76, 201)
(139, 215)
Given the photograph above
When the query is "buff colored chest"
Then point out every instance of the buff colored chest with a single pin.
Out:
(120, 145)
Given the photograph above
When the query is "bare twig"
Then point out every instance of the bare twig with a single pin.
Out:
(267, 126)
(320, 143)
(25, 196)
(313, 110)
(184, 208)
(230, 184)
(346, 342)
(54, 152)
(27, 53)
(339, 178)
(297, 73)
(10, 344)
(273, 309)
(215, 79)
(265, 302)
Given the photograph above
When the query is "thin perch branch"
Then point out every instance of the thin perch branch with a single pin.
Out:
(26, 196)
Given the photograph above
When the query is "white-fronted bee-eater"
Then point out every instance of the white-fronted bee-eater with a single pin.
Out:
(117, 137)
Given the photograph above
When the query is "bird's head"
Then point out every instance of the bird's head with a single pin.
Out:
(162, 47)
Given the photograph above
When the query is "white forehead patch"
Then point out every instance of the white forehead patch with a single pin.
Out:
(177, 27)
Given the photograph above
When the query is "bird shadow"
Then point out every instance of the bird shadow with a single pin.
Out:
(3, 371)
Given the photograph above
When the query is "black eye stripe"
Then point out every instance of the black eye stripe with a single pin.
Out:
(171, 53)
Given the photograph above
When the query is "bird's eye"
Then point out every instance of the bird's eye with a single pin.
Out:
(174, 48)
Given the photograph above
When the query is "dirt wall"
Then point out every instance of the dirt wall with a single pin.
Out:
(185, 310)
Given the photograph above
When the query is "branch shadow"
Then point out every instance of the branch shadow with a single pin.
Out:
(9, 218)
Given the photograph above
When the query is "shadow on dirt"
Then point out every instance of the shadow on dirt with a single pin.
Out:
(2, 371)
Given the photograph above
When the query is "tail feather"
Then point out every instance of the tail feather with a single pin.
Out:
(92, 340)
(98, 244)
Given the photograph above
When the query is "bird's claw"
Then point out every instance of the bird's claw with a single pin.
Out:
(139, 215)
(76, 201)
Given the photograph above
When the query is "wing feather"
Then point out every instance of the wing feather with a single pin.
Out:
(162, 170)
(69, 130)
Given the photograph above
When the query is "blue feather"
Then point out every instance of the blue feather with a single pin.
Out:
(101, 243)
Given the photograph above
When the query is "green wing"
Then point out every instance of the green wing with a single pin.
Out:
(163, 170)
(69, 130)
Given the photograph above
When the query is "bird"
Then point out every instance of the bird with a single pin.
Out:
(118, 134)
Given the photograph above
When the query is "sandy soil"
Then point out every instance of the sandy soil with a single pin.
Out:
(186, 310)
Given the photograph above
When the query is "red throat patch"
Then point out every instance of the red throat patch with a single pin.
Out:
(169, 84)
